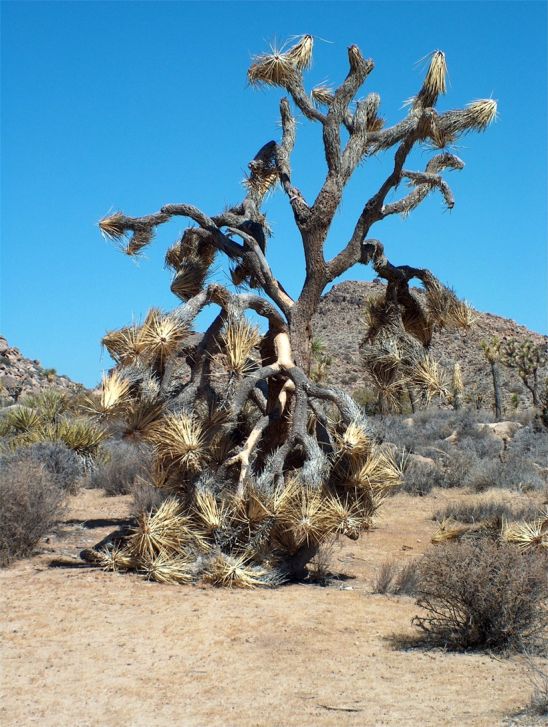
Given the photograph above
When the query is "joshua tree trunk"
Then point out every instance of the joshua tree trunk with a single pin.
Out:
(495, 373)
(261, 471)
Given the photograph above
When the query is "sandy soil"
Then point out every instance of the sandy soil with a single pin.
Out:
(83, 648)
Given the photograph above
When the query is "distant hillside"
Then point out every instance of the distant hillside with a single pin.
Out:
(339, 324)
(20, 376)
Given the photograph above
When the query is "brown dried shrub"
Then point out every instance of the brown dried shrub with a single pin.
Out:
(31, 502)
(481, 594)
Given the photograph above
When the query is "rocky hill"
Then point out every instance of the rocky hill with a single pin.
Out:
(20, 376)
(339, 325)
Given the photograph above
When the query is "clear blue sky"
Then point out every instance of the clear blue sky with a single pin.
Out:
(127, 105)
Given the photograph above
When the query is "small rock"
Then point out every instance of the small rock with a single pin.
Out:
(504, 430)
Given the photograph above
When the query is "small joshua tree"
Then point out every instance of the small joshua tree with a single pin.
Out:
(527, 358)
(262, 462)
(457, 387)
(492, 352)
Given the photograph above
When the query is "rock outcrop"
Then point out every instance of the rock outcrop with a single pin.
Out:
(20, 376)
(339, 324)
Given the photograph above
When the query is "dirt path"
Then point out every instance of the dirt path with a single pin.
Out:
(82, 648)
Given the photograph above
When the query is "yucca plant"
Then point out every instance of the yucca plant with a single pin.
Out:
(263, 460)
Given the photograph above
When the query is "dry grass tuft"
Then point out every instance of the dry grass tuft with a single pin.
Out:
(355, 441)
(114, 394)
(190, 278)
(165, 531)
(302, 517)
(346, 517)
(378, 474)
(239, 338)
(527, 535)
(273, 69)
(161, 335)
(262, 180)
(112, 227)
(300, 55)
(463, 315)
(115, 559)
(481, 113)
(234, 572)
(169, 569)
(211, 514)
(179, 441)
(123, 345)
(322, 95)
(140, 416)
(279, 68)
(434, 82)
(429, 376)
(449, 530)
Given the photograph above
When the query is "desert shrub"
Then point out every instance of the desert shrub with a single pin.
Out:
(481, 474)
(396, 580)
(30, 504)
(482, 443)
(532, 444)
(481, 594)
(520, 473)
(123, 465)
(457, 467)
(64, 465)
(432, 425)
(385, 576)
(483, 509)
(394, 429)
(421, 477)
(146, 497)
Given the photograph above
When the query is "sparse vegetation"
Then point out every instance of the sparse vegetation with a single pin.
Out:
(482, 509)
(537, 669)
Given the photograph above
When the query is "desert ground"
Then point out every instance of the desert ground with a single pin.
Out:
(86, 648)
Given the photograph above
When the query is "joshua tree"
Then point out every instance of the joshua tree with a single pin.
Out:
(263, 462)
(527, 358)
(457, 387)
(492, 352)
